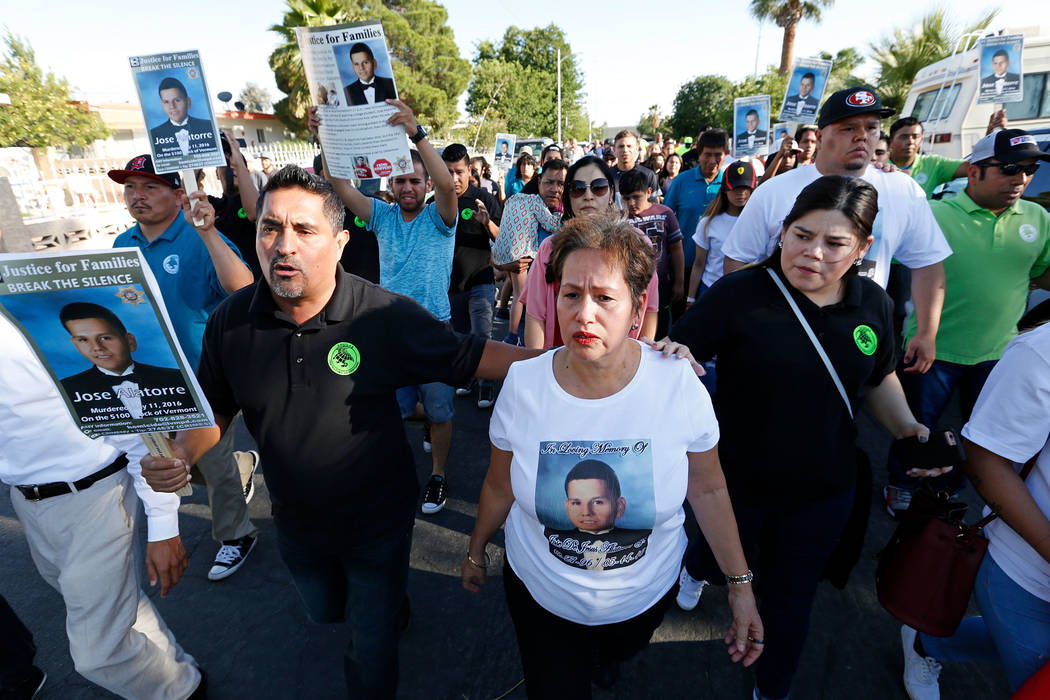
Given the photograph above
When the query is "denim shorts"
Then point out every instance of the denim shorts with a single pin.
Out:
(436, 398)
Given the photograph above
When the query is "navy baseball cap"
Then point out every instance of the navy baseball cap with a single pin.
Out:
(143, 165)
(850, 102)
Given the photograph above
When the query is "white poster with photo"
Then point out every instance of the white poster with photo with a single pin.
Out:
(805, 89)
(782, 129)
(349, 72)
(504, 158)
(1002, 77)
(173, 94)
(750, 125)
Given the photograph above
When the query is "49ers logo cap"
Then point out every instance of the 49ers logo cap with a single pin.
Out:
(850, 102)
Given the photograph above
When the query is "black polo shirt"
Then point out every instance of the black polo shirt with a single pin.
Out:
(785, 432)
(361, 252)
(472, 257)
(319, 398)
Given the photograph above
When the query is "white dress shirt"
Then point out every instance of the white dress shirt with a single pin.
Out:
(42, 444)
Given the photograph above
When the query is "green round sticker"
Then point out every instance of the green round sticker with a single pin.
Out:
(467, 214)
(865, 339)
(241, 214)
(344, 359)
(359, 222)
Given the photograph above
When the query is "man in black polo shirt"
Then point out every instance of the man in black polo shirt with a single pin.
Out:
(472, 287)
(626, 148)
(313, 357)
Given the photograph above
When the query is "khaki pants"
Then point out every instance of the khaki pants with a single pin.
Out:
(229, 512)
(83, 544)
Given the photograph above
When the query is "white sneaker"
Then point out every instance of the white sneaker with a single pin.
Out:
(689, 590)
(920, 673)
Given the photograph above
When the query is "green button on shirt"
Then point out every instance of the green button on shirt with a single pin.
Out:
(987, 275)
(930, 170)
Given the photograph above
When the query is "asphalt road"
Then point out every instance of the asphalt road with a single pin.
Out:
(255, 641)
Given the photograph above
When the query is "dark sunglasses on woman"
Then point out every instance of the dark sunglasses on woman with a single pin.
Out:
(599, 187)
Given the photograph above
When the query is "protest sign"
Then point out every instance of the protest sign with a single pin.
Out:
(782, 129)
(349, 73)
(750, 125)
(1002, 77)
(98, 324)
(504, 158)
(805, 89)
(183, 134)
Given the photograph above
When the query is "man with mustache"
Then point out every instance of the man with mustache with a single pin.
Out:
(314, 357)
(196, 268)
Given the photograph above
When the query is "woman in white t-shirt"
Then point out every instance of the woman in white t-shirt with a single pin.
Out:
(591, 462)
(1009, 426)
(738, 182)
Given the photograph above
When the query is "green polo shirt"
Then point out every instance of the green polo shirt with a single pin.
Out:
(930, 170)
(987, 275)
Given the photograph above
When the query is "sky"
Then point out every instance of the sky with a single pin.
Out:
(678, 40)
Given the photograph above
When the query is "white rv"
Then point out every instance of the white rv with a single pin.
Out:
(944, 96)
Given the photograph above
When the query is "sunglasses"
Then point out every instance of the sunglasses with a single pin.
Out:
(599, 187)
(1010, 169)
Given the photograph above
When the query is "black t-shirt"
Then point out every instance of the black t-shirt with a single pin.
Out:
(785, 432)
(361, 253)
(472, 259)
(650, 177)
(233, 222)
(319, 398)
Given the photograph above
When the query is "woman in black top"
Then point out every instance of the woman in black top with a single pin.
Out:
(788, 438)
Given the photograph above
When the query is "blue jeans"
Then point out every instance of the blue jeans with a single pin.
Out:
(436, 399)
(794, 543)
(472, 313)
(1013, 630)
(928, 395)
(361, 582)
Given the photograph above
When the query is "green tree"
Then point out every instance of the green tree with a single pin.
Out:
(843, 69)
(255, 98)
(904, 51)
(41, 113)
(770, 83)
(653, 122)
(428, 69)
(706, 100)
(787, 14)
(523, 66)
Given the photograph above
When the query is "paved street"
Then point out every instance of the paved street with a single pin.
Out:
(251, 635)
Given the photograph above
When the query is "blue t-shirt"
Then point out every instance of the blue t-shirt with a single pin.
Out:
(186, 276)
(415, 257)
(688, 197)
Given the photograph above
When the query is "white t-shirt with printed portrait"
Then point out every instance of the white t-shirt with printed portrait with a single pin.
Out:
(607, 573)
(904, 228)
(1012, 419)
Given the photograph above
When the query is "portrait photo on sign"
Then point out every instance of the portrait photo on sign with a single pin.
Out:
(1001, 72)
(177, 111)
(751, 125)
(365, 72)
(98, 340)
(504, 157)
(596, 501)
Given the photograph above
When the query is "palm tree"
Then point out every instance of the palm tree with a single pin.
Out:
(787, 14)
(286, 61)
(902, 53)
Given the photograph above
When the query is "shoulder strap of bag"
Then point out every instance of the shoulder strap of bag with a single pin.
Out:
(813, 339)
(1025, 471)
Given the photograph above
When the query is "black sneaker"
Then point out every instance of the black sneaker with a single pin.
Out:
(466, 390)
(247, 464)
(427, 447)
(26, 689)
(435, 494)
(486, 396)
(230, 557)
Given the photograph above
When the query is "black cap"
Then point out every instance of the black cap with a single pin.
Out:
(739, 174)
(851, 102)
(1007, 146)
(143, 165)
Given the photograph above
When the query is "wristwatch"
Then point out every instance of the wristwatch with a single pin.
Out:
(420, 134)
